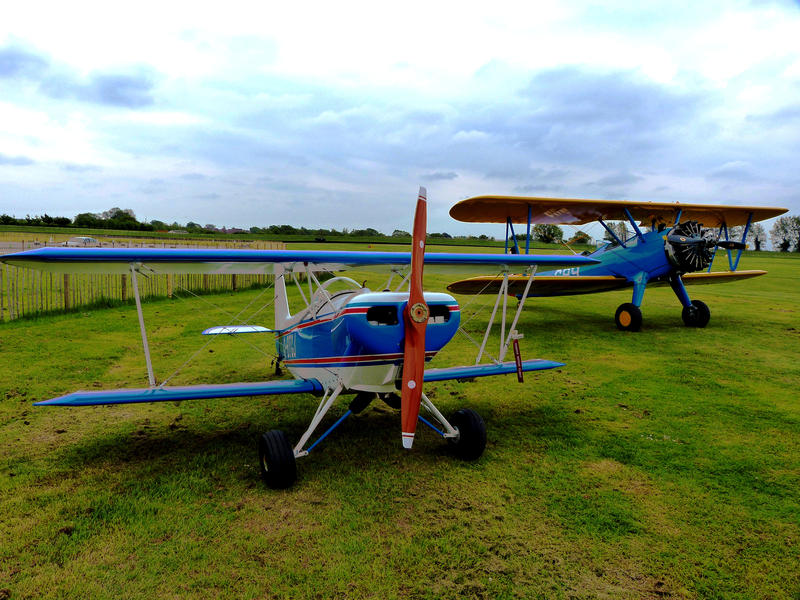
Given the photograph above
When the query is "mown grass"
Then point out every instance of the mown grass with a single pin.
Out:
(659, 464)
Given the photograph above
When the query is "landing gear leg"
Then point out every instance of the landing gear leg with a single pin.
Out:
(629, 316)
(466, 430)
(695, 313)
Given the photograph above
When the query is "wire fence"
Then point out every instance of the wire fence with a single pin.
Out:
(28, 292)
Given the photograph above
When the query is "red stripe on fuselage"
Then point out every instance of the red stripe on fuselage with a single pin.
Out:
(353, 358)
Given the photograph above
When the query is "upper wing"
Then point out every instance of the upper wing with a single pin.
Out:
(213, 261)
(188, 392)
(572, 211)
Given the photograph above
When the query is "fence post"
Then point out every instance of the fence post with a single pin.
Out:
(169, 285)
(124, 288)
(66, 292)
(233, 282)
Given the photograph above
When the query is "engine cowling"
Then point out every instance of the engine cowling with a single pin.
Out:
(689, 247)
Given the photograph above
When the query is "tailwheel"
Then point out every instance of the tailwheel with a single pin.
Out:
(276, 460)
(628, 317)
(471, 429)
(696, 315)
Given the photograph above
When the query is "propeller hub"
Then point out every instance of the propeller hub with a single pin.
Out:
(689, 246)
(419, 312)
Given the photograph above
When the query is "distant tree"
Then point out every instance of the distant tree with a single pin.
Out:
(785, 232)
(548, 234)
(757, 235)
(580, 237)
(87, 220)
(7, 220)
(210, 227)
(400, 233)
(159, 225)
(619, 228)
(442, 235)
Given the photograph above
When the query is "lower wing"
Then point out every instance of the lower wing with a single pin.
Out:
(189, 392)
(568, 285)
(469, 372)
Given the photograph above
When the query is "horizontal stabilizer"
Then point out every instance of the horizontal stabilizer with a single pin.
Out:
(232, 329)
(534, 364)
(189, 392)
(226, 262)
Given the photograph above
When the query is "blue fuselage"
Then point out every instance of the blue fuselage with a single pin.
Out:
(362, 340)
(639, 256)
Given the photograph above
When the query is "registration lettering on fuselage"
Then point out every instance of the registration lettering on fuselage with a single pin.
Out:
(569, 272)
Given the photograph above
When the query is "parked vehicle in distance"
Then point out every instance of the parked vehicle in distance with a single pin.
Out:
(81, 241)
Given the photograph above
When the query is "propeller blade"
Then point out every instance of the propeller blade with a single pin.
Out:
(680, 240)
(730, 245)
(416, 319)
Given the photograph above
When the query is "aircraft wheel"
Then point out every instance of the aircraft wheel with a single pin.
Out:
(471, 439)
(276, 459)
(392, 400)
(628, 317)
(696, 315)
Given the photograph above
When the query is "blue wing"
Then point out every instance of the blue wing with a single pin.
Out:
(534, 364)
(189, 392)
(214, 261)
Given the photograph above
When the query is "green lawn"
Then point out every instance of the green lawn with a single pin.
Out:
(664, 463)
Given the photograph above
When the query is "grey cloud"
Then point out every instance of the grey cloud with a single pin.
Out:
(73, 168)
(618, 179)
(439, 176)
(534, 189)
(786, 115)
(130, 88)
(16, 161)
(734, 171)
(18, 62)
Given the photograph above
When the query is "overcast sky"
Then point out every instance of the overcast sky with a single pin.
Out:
(332, 114)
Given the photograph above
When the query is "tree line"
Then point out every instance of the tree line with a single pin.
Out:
(784, 235)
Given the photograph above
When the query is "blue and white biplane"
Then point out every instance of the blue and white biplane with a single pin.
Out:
(350, 341)
(673, 244)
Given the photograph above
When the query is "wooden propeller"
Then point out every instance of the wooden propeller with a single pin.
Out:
(415, 316)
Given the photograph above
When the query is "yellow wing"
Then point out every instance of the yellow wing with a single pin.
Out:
(569, 285)
(572, 211)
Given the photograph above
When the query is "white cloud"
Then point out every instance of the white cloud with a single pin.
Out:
(331, 105)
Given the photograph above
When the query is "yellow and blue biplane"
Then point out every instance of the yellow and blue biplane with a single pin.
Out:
(673, 244)
(346, 340)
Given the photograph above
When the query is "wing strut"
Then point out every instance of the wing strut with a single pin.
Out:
(512, 330)
(151, 378)
(505, 339)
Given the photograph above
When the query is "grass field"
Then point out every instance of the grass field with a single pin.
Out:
(664, 463)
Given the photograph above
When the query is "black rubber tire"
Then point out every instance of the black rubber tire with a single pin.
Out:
(471, 440)
(392, 400)
(276, 460)
(696, 315)
(628, 317)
